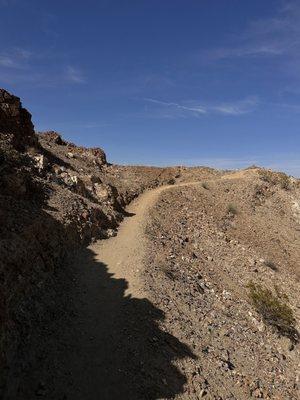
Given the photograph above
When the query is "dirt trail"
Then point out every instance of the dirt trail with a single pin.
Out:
(123, 254)
(114, 348)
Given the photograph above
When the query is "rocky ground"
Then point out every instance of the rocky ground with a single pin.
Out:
(211, 247)
(54, 198)
(220, 317)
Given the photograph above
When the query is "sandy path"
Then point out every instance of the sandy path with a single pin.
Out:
(114, 347)
(123, 254)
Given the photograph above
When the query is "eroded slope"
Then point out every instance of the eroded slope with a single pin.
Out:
(210, 245)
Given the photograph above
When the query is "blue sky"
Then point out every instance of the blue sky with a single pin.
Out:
(161, 82)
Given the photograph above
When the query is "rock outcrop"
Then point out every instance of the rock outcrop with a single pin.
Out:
(94, 156)
(15, 122)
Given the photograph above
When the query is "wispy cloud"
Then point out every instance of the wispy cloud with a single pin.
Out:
(240, 107)
(6, 61)
(15, 58)
(247, 50)
(19, 65)
(22, 53)
(73, 74)
(275, 36)
(191, 108)
(195, 109)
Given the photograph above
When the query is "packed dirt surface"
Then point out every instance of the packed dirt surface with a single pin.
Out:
(124, 253)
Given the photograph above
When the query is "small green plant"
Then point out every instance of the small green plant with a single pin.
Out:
(271, 265)
(205, 185)
(274, 310)
(232, 209)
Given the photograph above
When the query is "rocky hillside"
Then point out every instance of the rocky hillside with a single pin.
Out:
(225, 271)
(223, 260)
(54, 197)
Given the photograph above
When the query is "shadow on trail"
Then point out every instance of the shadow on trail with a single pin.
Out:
(115, 348)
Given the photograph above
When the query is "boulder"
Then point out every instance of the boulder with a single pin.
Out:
(77, 185)
(99, 155)
(103, 192)
(41, 162)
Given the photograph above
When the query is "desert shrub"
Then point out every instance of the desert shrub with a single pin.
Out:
(271, 265)
(171, 181)
(267, 176)
(232, 209)
(205, 185)
(276, 178)
(274, 310)
(284, 181)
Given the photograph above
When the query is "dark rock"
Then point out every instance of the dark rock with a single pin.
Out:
(15, 121)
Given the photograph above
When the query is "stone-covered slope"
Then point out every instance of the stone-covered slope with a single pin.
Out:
(54, 197)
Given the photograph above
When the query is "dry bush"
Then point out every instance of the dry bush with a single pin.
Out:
(271, 265)
(274, 310)
(285, 182)
(232, 209)
(276, 178)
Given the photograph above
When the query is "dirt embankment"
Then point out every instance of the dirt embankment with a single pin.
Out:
(223, 265)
